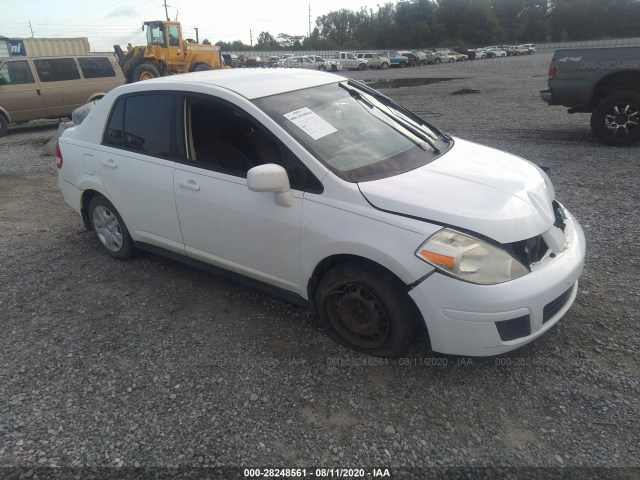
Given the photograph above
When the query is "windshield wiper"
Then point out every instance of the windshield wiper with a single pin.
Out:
(416, 132)
(391, 103)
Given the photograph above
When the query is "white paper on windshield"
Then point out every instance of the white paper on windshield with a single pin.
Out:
(311, 123)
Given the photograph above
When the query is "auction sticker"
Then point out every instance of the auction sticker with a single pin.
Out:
(310, 122)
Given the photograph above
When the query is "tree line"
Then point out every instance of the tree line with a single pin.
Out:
(426, 23)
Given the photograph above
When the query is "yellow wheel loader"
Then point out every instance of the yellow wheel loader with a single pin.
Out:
(166, 53)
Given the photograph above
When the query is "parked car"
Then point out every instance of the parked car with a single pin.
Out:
(395, 59)
(460, 57)
(423, 58)
(529, 47)
(412, 59)
(495, 52)
(444, 57)
(231, 60)
(604, 82)
(374, 60)
(253, 62)
(323, 190)
(480, 54)
(52, 87)
(331, 65)
(304, 62)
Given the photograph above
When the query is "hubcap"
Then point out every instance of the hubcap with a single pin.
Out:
(359, 316)
(622, 119)
(107, 228)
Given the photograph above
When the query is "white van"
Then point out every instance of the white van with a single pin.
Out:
(52, 87)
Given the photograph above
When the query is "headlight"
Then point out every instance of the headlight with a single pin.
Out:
(469, 258)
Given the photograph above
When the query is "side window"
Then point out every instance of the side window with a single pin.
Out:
(221, 137)
(57, 69)
(143, 123)
(114, 133)
(147, 124)
(174, 35)
(96, 67)
(15, 73)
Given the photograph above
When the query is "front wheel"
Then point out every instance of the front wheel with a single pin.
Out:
(366, 308)
(616, 119)
(145, 72)
(200, 67)
(109, 229)
(385, 65)
(4, 125)
(437, 61)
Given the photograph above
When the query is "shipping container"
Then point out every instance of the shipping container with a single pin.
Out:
(4, 47)
(49, 47)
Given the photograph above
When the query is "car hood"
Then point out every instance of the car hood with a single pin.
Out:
(471, 187)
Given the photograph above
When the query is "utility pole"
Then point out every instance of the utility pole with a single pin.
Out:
(166, 12)
(197, 39)
(251, 38)
(309, 20)
(30, 28)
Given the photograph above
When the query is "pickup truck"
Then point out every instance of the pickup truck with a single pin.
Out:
(604, 82)
(349, 61)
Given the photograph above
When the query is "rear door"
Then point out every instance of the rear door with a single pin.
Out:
(136, 167)
(20, 95)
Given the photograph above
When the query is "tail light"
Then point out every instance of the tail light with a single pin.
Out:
(58, 156)
(552, 70)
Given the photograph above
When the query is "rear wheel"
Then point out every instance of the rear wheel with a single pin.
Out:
(384, 65)
(4, 125)
(145, 71)
(366, 308)
(403, 64)
(109, 229)
(437, 61)
(616, 119)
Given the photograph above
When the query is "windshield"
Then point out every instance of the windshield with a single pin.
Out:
(354, 131)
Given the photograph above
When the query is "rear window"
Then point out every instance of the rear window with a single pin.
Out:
(96, 67)
(57, 69)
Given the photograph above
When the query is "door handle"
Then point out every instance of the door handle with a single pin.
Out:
(189, 185)
(109, 163)
(38, 90)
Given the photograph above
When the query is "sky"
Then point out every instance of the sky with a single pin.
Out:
(109, 22)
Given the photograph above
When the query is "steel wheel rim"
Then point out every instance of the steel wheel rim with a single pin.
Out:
(108, 229)
(621, 120)
(147, 76)
(359, 316)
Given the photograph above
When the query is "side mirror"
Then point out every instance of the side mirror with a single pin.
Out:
(271, 178)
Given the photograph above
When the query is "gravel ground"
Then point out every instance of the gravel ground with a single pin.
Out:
(152, 364)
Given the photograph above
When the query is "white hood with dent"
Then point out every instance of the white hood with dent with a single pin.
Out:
(473, 187)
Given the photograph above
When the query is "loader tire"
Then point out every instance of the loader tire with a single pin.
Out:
(145, 71)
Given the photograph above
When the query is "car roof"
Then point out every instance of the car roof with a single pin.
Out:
(249, 83)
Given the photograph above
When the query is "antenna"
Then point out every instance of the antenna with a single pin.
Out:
(166, 12)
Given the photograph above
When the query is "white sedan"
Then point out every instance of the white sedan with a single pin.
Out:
(496, 52)
(324, 191)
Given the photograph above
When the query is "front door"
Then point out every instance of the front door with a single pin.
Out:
(20, 95)
(223, 222)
